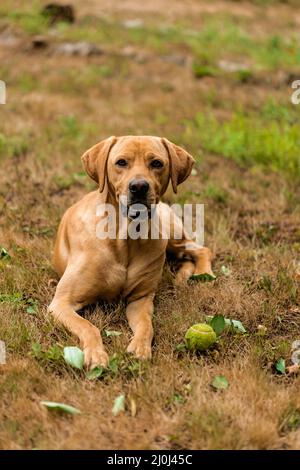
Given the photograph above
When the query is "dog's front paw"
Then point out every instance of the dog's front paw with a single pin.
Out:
(95, 356)
(140, 348)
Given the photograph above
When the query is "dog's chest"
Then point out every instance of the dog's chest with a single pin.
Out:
(134, 267)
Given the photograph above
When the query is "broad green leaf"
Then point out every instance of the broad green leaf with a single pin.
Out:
(112, 333)
(74, 356)
(204, 277)
(218, 324)
(280, 366)
(180, 347)
(226, 271)
(119, 405)
(95, 373)
(52, 405)
(220, 382)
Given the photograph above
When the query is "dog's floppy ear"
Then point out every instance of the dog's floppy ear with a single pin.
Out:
(94, 160)
(181, 163)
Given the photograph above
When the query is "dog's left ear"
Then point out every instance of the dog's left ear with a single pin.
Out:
(94, 160)
(181, 163)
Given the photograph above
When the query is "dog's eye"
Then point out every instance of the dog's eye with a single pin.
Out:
(121, 162)
(156, 164)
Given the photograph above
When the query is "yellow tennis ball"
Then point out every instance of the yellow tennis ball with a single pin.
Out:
(200, 336)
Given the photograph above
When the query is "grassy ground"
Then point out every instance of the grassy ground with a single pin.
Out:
(170, 75)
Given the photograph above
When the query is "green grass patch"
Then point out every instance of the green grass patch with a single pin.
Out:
(270, 139)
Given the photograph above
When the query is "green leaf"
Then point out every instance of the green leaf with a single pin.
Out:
(234, 324)
(31, 310)
(180, 347)
(204, 277)
(95, 373)
(4, 254)
(36, 349)
(52, 405)
(220, 382)
(280, 366)
(218, 324)
(119, 405)
(112, 333)
(54, 353)
(114, 364)
(225, 271)
(238, 325)
(32, 306)
(74, 356)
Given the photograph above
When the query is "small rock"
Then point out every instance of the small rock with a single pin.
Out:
(135, 23)
(57, 13)
(78, 48)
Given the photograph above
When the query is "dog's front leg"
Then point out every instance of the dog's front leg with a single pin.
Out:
(63, 308)
(139, 315)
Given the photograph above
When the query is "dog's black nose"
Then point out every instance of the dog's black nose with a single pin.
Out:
(139, 187)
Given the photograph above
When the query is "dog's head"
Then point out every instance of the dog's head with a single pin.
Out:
(137, 168)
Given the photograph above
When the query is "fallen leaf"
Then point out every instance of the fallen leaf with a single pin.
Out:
(112, 333)
(238, 325)
(119, 405)
(280, 366)
(52, 405)
(74, 356)
(204, 277)
(4, 254)
(95, 373)
(220, 382)
(235, 324)
(218, 324)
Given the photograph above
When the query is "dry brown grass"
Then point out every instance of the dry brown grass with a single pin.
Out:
(57, 107)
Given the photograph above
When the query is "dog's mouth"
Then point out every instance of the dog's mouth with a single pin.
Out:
(137, 210)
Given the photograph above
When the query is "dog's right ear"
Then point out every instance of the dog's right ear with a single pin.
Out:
(95, 159)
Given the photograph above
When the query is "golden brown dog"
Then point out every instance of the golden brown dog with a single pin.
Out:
(138, 168)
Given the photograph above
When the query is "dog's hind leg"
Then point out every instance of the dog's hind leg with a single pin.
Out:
(194, 258)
